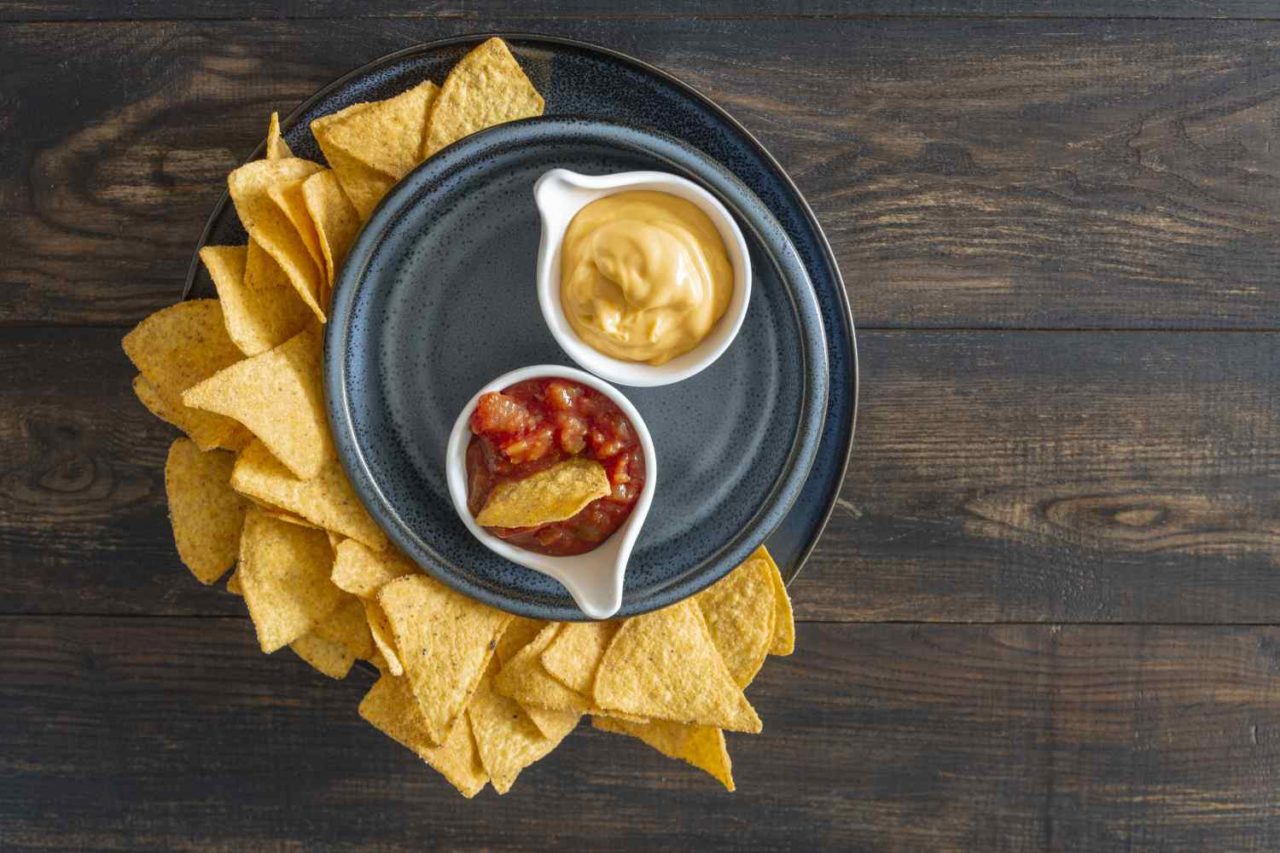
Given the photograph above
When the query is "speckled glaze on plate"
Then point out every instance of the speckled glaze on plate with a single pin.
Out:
(438, 296)
(586, 80)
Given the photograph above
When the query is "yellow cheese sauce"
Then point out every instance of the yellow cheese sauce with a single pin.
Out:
(644, 275)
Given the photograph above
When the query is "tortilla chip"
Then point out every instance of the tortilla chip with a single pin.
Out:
(284, 572)
(285, 515)
(390, 707)
(277, 148)
(784, 623)
(278, 396)
(206, 513)
(486, 87)
(257, 319)
(325, 656)
(575, 654)
(664, 665)
(445, 641)
(233, 585)
(739, 610)
(701, 746)
(520, 632)
(506, 738)
(178, 347)
(336, 221)
(181, 417)
(552, 494)
(363, 572)
(384, 135)
(383, 640)
(363, 185)
(524, 679)
(289, 198)
(268, 223)
(338, 641)
(326, 500)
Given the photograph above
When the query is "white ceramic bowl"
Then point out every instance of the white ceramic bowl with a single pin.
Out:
(594, 579)
(559, 195)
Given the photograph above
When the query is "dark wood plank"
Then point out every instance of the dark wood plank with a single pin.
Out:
(167, 733)
(103, 10)
(970, 173)
(996, 476)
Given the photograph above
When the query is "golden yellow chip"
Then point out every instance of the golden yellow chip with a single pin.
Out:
(277, 395)
(701, 746)
(664, 665)
(326, 500)
(277, 148)
(784, 623)
(739, 609)
(383, 640)
(362, 572)
(508, 741)
(233, 584)
(325, 656)
(177, 347)
(182, 417)
(264, 219)
(390, 707)
(520, 632)
(362, 184)
(575, 654)
(385, 135)
(284, 573)
(289, 198)
(552, 494)
(336, 221)
(258, 319)
(486, 87)
(523, 678)
(206, 513)
(340, 638)
(445, 641)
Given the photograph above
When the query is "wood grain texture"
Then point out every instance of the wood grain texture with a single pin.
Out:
(172, 733)
(970, 173)
(1028, 476)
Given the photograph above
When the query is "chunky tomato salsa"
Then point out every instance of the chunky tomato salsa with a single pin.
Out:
(538, 423)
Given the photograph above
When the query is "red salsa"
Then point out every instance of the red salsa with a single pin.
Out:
(537, 423)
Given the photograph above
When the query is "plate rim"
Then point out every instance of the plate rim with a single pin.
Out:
(846, 313)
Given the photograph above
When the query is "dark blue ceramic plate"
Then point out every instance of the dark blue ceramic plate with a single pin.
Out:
(583, 80)
(438, 296)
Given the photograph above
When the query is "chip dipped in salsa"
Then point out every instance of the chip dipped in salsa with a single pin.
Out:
(537, 425)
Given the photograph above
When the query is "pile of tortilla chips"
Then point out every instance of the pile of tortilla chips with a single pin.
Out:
(477, 693)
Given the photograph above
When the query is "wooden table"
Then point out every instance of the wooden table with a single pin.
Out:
(1044, 615)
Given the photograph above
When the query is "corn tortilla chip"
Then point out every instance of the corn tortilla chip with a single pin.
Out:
(739, 610)
(506, 738)
(284, 573)
(486, 87)
(325, 656)
(383, 640)
(390, 707)
(363, 185)
(178, 347)
(784, 623)
(182, 416)
(277, 395)
(575, 654)
(552, 494)
(701, 746)
(384, 135)
(207, 515)
(233, 585)
(258, 319)
(523, 678)
(326, 500)
(445, 641)
(664, 665)
(277, 148)
(520, 632)
(289, 198)
(362, 572)
(336, 221)
(347, 626)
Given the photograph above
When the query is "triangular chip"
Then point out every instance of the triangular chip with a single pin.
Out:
(486, 87)
(552, 494)
(206, 513)
(362, 184)
(664, 665)
(701, 746)
(182, 417)
(250, 188)
(233, 585)
(784, 623)
(445, 641)
(278, 396)
(521, 631)
(338, 641)
(362, 572)
(383, 640)
(289, 198)
(177, 347)
(389, 706)
(508, 741)
(326, 500)
(277, 148)
(258, 319)
(284, 573)
(336, 221)
(385, 135)
(523, 678)
(739, 610)
(575, 654)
